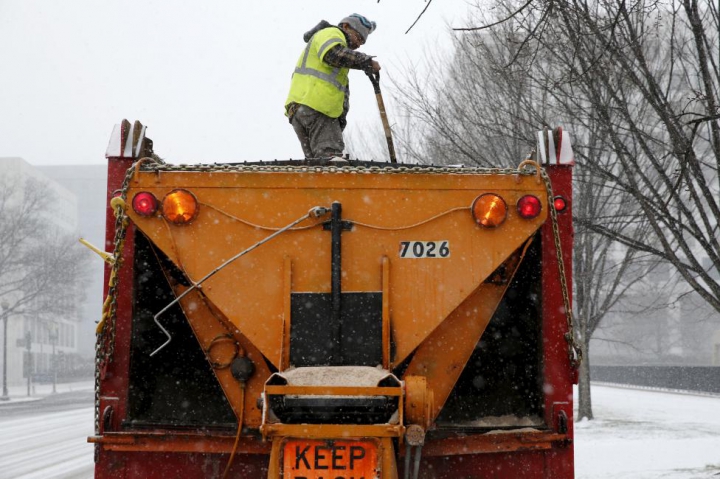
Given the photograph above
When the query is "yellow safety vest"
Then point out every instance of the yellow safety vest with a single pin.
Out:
(315, 83)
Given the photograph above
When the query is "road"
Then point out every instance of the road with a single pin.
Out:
(47, 438)
(65, 401)
(636, 435)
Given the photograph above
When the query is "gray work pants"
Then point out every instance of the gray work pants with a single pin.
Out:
(319, 135)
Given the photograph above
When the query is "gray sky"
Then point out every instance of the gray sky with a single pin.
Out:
(208, 79)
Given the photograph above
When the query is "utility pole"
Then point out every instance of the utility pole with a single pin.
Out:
(29, 364)
(53, 330)
(5, 396)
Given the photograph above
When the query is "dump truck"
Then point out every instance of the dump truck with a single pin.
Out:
(335, 318)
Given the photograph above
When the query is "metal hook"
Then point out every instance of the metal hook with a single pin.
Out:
(315, 212)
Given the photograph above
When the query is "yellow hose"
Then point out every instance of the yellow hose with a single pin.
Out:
(237, 437)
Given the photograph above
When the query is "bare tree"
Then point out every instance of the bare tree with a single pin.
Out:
(41, 268)
(642, 76)
(637, 82)
(482, 106)
(466, 109)
(605, 273)
(650, 71)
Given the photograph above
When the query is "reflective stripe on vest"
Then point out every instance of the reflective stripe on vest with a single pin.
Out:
(325, 46)
(328, 77)
(315, 83)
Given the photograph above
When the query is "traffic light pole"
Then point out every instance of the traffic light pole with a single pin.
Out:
(54, 367)
(5, 395)
(28, 346)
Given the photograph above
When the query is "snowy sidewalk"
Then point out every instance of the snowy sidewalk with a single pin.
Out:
(39, 391)
(648, 435)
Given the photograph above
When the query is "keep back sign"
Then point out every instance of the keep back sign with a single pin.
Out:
(330, 459)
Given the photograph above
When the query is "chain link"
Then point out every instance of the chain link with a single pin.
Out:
(105, 344)
(424, 170)
(574, 351)
(105, 340)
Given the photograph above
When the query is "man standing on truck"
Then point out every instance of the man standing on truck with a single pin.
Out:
(319, 98)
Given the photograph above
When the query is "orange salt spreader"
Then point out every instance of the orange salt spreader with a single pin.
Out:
(307, 319)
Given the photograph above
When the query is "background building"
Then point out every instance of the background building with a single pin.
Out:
(89, 185)
(58, 333)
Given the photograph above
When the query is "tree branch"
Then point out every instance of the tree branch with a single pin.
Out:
(472, 29)
(418, 18)
(703, 119)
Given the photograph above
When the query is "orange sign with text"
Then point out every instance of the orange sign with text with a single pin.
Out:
(330, 459)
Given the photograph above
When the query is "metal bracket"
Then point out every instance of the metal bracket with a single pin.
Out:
(107, 418)
(344, 224)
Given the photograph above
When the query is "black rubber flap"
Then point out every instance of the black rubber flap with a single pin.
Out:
(316, 341)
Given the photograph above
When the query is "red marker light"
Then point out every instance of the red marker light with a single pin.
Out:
(529, 207)
(559, 203)
(144, 204)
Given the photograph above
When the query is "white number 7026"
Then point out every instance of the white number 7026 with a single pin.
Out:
(425, 249)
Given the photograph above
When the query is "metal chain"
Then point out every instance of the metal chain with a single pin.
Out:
(105, 340)
(574, 351)
(334, 169)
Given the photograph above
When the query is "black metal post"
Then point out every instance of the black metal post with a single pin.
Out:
(52, 327)
(54, 369)
(336, 279)
(5, 395)
(28, 347)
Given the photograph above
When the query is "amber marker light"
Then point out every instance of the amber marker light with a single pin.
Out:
(145, 204)
(560, 204)
(489, 210)
(180, 207)
(529, 207)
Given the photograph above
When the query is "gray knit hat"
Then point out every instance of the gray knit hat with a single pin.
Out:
(360, 24)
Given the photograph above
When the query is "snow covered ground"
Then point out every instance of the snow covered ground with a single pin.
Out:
(45, 435)
(648, 435)
(46, 446)
(637, 435)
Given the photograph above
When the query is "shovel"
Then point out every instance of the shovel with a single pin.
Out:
(375, 79)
